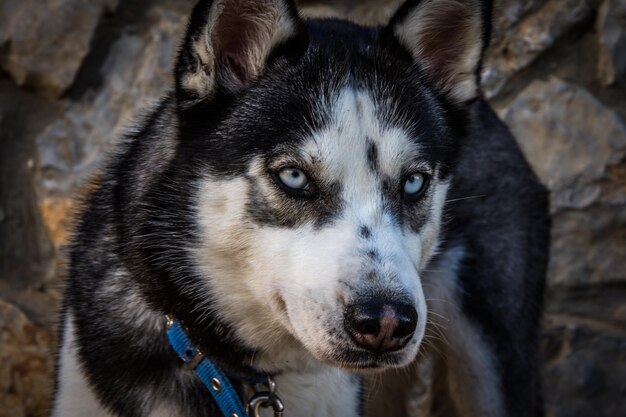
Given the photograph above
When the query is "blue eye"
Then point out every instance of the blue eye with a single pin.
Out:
(414, 185)
(293, 178)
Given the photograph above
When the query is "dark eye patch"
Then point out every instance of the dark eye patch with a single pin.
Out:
(281, 210)
(411, 214)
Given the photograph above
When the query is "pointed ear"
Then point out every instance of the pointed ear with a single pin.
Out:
(446, 39)
(228, 42)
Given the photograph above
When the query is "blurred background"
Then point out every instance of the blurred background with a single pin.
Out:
(75, 73)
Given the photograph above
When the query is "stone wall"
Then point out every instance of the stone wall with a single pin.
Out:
(75, 73)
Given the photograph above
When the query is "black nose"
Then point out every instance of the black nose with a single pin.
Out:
(381, 328)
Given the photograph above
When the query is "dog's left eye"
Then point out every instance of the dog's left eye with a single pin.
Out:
(294, 179)
(414, 185)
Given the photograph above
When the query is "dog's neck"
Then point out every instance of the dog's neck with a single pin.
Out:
(305, 385)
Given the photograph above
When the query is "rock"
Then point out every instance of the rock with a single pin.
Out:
(136, 73)
(317, 11)
(508, 13)
(577, 146)
(574, 143)
(518, 44)
(27, 258)
(585, 369)
(588, 247)
(41, 52)
(26, 368)
(600, 303)
(611, 26)
(54, 212)
(369, 12)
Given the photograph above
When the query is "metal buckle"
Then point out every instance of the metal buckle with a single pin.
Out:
(265, 399)
(169, 321)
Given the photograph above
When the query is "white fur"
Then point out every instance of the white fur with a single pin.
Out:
(131, 307)
(74, 396)
(474, 385)
(164, 409)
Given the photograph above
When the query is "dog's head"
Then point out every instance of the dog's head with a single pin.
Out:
(322, 153)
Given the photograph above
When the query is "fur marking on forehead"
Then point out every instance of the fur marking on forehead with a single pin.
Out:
(358, 139)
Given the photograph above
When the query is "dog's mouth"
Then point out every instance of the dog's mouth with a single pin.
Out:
(362, 361)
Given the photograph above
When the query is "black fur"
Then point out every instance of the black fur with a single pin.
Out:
(506, 253)
(372, 156)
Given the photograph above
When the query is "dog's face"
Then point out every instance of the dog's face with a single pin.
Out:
(323, 151)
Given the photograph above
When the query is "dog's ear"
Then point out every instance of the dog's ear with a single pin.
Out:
(228, 42)
(446, 39)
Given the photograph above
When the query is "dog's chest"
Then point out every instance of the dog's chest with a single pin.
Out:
(329, 392)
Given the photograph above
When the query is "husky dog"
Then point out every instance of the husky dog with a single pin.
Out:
(308, 201)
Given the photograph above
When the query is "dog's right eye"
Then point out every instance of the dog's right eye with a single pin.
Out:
(295, 182)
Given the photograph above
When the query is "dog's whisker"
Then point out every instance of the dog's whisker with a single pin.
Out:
(466, 198)
(438, 315)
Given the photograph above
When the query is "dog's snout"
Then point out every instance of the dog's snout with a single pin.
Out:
(381, 328)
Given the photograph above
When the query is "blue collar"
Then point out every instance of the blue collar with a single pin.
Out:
(211, 376)
(217, 382)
